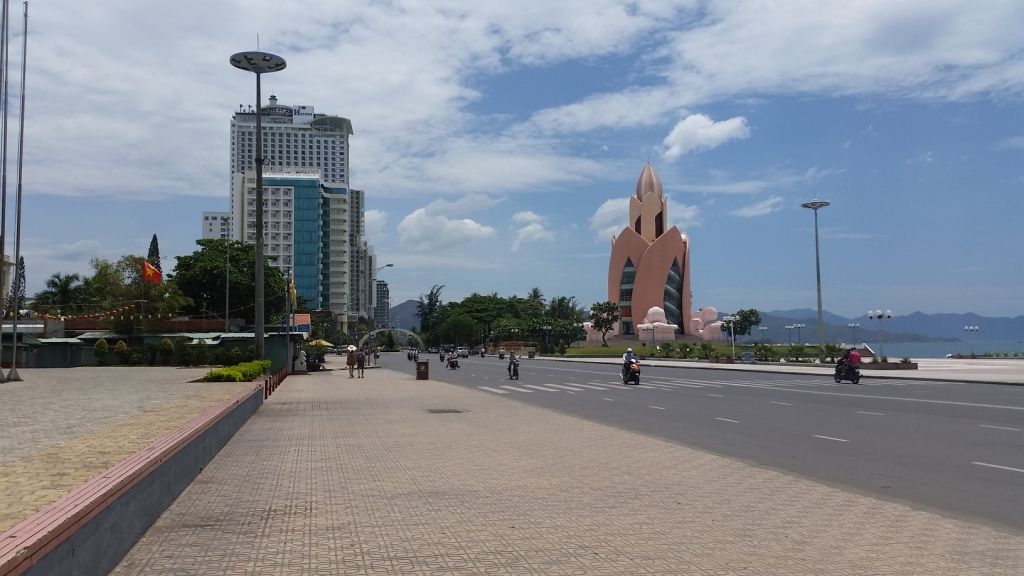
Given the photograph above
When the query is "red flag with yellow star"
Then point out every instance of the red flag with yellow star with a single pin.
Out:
(150, 273)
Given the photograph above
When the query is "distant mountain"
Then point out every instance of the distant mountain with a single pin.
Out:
(404, 315)
(915, 327)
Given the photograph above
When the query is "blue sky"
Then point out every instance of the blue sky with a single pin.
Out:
(497, 144)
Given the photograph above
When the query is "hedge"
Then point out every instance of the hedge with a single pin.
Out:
(244, 372)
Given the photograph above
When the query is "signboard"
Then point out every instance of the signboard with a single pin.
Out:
(302, 114)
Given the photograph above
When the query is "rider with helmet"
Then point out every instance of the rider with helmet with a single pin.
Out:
(627, 358)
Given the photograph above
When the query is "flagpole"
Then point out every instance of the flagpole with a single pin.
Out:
(13, 375)
(4, 58)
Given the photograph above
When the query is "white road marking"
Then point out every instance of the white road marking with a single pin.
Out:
(495, 390)
(998, 466)
(999, 427)
(727, 420)
(608, 399)
(782, 403)
(536, 387)
(871, 413)
(686, 385)
(830, 438)
(565, 387)
(518, 389)
(656, 407)
(716, 395)
(878, 397)
(591, 387)
(647, 387)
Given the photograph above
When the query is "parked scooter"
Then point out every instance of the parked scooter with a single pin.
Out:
(631, 372)
(846, 371)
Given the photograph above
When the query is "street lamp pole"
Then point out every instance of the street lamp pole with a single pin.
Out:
(764, 332)
(789, 333)
(732, 332)
(853, 329)
(817, 205)
(798, 327)
(258, 63)
(971, 331)
(880, 315)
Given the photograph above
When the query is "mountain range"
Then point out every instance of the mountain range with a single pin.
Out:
(915, 327)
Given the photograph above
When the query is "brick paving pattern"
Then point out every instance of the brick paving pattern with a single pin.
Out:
(63, 427)
(340, 476)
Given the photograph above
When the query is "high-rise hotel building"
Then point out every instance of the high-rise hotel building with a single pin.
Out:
(312, 218)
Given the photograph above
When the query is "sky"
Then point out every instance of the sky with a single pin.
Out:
(498, 142)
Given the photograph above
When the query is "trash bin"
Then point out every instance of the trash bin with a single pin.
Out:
(422, 370)
(531, 354)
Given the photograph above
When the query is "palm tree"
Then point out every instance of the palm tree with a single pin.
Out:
(535, 295)
(427, 306)
(62, 292)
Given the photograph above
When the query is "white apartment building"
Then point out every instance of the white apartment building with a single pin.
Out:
(216, 225)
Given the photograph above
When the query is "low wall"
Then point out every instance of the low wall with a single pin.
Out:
(92, 528)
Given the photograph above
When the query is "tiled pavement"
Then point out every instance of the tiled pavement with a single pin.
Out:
(63, 427)
(342, 476)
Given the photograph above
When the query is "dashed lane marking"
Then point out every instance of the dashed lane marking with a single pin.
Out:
(782, 403)
(727, 420)
(998, 466)
(829, 438)
(517, 389)
(495, 390)
(871, 413)
(999, 427)
(591, 386)
(536, 387)
(565, 387)
(656, 407)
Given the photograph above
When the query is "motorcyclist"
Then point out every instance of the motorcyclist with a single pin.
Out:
(849, 360)
(512, 360)
(627, 358)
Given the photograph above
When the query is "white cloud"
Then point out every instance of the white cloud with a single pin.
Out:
(762, 208)
(683, 216)
(376, 221)
(922, 158)
(531, 228)
(429, 229)
(610, 218)
(1011, 143)
(722, 184)
(698, 132)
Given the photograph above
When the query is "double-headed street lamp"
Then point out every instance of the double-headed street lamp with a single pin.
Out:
(880, 315)
(853, 329)
(798, 328)
(789, 333)
(258, 63)
(764, 332)
(971, 331)
(817, 205)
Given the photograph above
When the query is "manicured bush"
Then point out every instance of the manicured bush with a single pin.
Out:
(166, 351)
(202, 353)
(122, 351)
(235, 357)
(180, 345)
(244, 372)
(100, 350)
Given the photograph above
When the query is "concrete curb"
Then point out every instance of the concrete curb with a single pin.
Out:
(89, 530)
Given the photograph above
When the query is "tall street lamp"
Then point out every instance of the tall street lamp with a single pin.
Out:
(764, 332)
(258, 63)
(971, 331)
(789, 333)
(853, 330)
(817, 205)
(732, 332)
(880, 315)
(798, 328)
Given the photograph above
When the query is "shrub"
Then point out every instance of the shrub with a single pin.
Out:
(137, 358)
(100, 350)
(235, 356)
(906, 360)
(763, 353)
(244, 372)
(250, 353)
(685, 350)
(202, 353)
(122, 351)
(180, 345)
(166, 351)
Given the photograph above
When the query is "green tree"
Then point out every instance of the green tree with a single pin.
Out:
(122, 351)
(166, 351)
(201, 278)
(603, 316)
(745, 320)
(428, 306)
(459, 329)
(154, 254)
(388, 341)
(62, 294)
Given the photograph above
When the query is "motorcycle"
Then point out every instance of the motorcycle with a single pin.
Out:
(631, 373)
(483, 352)
(513, 370)
(845, 371)
(453, 363)
(441, 356)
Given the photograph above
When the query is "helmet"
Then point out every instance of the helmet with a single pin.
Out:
(629, 349)
(851, 348)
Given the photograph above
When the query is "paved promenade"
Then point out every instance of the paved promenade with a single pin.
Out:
(63, 427)
(389, 475)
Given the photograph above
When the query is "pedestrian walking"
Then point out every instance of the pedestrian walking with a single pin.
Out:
(351, 361)
(360, 361)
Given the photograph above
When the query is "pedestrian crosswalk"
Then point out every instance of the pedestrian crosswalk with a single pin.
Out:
(670, 384)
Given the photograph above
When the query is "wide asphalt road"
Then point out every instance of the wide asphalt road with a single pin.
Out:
(950, 447)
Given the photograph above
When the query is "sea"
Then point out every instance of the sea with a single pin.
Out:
(896, 350)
